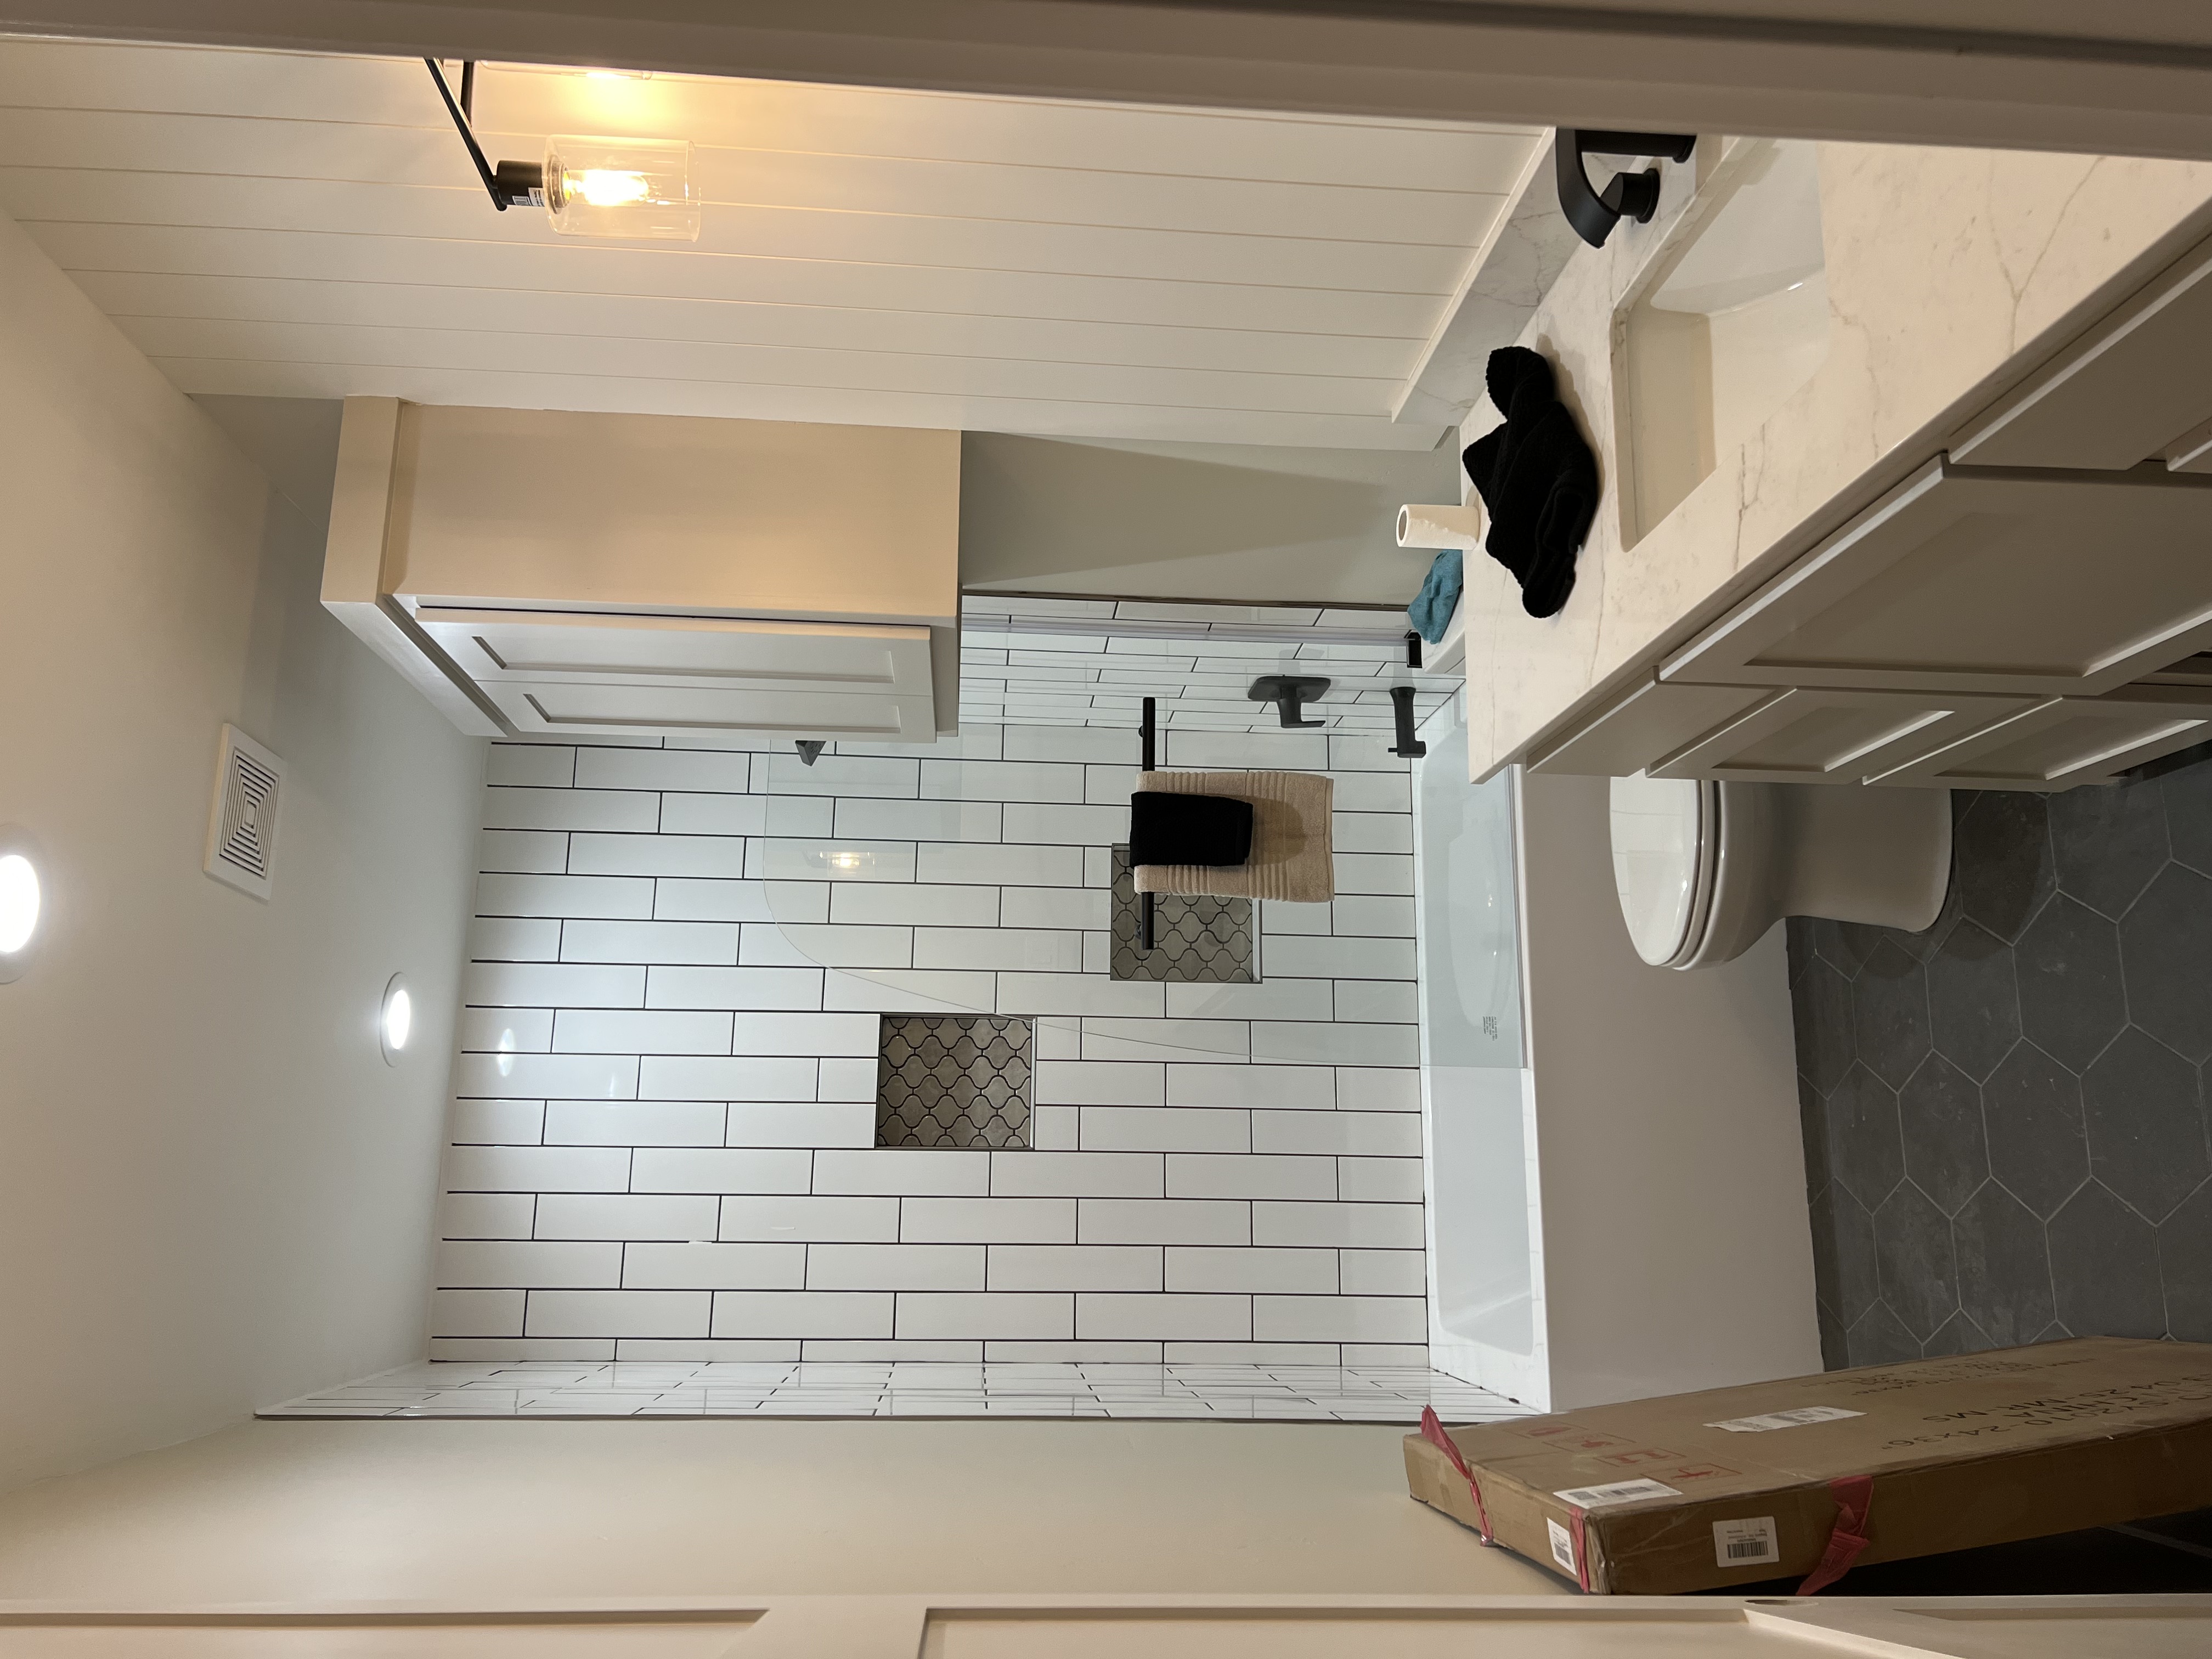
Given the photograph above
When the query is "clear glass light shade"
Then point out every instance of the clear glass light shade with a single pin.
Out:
(632, 188)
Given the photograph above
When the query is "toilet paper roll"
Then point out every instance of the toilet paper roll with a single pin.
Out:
(1440, 526)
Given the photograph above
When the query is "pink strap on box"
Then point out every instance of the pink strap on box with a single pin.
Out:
(1575, 1513)
(1854, 1496)
(1432, 1431)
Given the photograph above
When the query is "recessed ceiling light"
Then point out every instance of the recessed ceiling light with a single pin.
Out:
(395, 1022)
(22, 902)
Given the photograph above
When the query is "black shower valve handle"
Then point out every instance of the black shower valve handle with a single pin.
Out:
(1626, 195)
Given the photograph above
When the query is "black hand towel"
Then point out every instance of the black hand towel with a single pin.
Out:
(1171, 828)
(1537, 478)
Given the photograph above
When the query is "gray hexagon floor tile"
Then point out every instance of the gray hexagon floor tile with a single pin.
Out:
(1821, 1010)
(1881, 1338)
(2071, 1001)
(2031, 1109)
(1866, 1148)
(1960, 1334)
(1813, 1121)
(1889, 1013)
(2001, 860)
(1913, 1257)
(1843, 1254)
(1946, 1155)
(2165, 941)
(2184, 1252)
(2004, 1267)
(2189, 815)
(2108, 843)
(2104, 1267)
(2049, 1042)
(1973, 998)
(2139, 1104)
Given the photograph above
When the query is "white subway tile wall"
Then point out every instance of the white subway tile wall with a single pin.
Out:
(662, 1134)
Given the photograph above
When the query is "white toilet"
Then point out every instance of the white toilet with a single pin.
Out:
(1704, 869)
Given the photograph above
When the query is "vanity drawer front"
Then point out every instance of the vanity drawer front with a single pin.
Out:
(2121, 394)
(1650, 724)
(1815, 736)
(2023, 583)
(2065, 742)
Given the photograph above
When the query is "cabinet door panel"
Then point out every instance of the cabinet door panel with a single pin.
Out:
(551, 647)
(608, 708)
(1811, 736)
(2065, 742)
(2045, 584)
(1648, 726)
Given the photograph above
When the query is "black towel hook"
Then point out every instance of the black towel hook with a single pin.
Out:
(1627, 195)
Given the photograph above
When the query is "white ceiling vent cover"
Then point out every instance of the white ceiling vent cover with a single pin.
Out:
(241, 848)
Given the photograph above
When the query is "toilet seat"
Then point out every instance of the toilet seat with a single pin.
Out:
(1704, 869)
(1667, 835)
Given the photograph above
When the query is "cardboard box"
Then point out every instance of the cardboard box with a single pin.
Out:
(1740, 1485)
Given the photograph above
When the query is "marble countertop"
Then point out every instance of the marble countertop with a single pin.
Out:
(1951, 274)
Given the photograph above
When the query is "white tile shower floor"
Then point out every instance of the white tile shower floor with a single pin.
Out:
(904, 1388)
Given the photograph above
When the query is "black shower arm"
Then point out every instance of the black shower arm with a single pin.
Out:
(1630, 195)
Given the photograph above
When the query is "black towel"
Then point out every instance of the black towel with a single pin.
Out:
(1537, 478)
(1170, 828)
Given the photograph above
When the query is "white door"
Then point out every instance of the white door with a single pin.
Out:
(2041, 584)
(584, 672)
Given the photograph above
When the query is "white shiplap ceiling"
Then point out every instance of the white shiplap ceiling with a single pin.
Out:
(287, 225)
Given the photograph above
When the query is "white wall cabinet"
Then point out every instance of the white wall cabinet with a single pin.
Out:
(537, 572)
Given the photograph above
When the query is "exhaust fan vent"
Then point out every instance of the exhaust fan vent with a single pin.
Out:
(241, 848)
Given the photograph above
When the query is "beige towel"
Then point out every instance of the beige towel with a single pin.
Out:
(1291, 857)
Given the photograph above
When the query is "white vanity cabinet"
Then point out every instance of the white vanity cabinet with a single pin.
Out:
(1980, 628)
(539, 573)
(2018, 581)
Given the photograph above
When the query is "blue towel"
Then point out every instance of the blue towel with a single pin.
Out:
(1431, 610)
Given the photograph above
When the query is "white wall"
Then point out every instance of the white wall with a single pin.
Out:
(213, 1192)
(374, 1511)
(1241, 523)
(1678, 1252)
(1218, 1173)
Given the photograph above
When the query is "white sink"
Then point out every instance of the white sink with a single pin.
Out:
(1729, 321)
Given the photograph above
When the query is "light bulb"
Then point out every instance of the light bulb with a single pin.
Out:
(19, 903)
(395, 1020)
(634, 189)
(606, 186)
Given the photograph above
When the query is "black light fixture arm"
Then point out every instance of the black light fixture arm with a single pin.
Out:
(1627, 195)
(508, 183)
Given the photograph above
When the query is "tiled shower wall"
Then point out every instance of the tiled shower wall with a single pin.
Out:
(662, 1134)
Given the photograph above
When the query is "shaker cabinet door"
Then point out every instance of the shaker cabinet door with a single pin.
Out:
(1818, 736)
(582, 672)
(2022, 583)
(2067, 741)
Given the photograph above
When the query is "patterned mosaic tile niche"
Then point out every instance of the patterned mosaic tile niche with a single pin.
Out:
(958, 1080)
(1196, 941)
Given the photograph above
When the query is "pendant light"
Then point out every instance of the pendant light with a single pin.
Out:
(628, 189)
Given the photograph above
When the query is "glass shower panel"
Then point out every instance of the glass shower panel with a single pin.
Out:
(1482, 1239)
